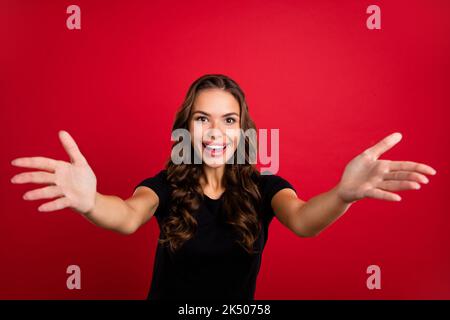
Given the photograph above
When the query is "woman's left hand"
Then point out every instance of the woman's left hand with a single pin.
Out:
(365, 176)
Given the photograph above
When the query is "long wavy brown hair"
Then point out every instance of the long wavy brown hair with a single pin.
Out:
(241, 196)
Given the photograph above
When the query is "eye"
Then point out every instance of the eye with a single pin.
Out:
(201, 119)
(230, 120)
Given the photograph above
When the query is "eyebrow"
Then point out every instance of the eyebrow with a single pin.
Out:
(225, 115)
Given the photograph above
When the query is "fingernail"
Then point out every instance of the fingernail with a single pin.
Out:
(13, 162)
(13, 180)
(25, 196)
(417, 186)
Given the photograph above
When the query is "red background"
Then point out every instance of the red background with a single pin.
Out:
(310, 68)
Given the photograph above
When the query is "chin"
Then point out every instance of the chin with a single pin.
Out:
(213, 165)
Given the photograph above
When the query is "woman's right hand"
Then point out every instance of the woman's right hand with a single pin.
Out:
(73, 183)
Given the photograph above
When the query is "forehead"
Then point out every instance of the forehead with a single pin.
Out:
(215, 102)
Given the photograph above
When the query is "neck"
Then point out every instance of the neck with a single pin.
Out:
(211, 180)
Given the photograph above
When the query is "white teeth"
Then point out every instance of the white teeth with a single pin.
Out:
(215, 147)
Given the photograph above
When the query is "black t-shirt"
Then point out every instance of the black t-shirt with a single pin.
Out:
(210, 265)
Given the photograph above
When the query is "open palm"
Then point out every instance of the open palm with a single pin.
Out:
(366, 176)
(73, 183)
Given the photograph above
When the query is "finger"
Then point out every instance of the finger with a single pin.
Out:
(58, 204)
(384, 145)
(382, 195)
(406, 175)
(71, 147)
(394, 185)
(43, 193)
(34, 177)
(42, 163)
(411, 166)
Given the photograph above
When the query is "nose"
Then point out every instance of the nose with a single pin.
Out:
(215, 135)
(215, 131)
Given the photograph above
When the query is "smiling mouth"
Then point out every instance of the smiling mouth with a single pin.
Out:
(214, 149)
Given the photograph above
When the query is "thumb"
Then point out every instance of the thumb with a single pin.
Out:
(384, 145)
(71, 147)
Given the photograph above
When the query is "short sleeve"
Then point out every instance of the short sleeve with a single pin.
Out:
(159, 184)
(270, 185)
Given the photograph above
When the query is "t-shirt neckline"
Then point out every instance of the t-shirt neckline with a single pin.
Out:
(220, 198)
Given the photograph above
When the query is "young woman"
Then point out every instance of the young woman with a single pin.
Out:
(214, 215)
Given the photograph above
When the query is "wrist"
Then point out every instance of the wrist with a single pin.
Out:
(94, 205)
(341, 197)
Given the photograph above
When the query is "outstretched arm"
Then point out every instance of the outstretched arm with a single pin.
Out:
(365, 176)
(74, 185)
(308, 218)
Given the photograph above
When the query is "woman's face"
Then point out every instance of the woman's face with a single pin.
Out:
(214, 126)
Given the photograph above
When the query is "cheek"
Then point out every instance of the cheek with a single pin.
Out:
(237, 135)
(236, 140)
(196, 132)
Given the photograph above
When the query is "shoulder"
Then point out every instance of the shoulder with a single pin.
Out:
(160, 176)
(158, 183)
(270, 184)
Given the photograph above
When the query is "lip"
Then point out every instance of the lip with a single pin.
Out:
(214, 149)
